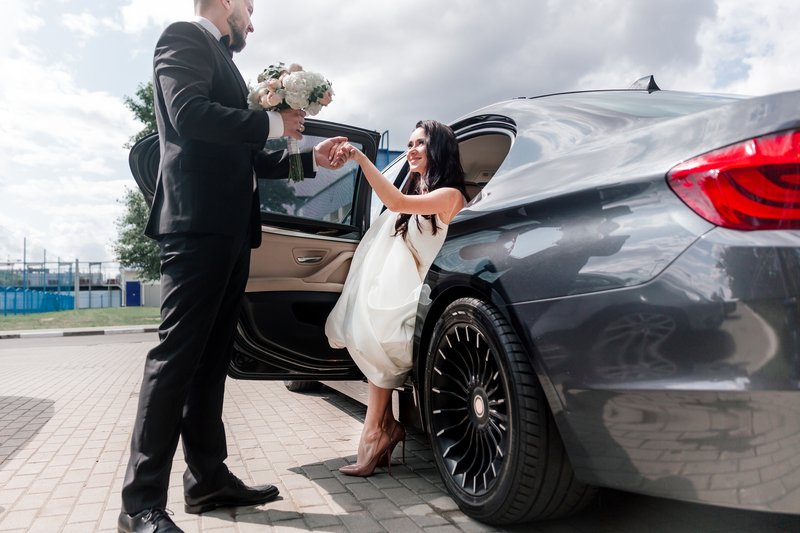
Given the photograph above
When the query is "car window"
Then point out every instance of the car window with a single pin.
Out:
(393, 173)
(328, 197)
(482, 153)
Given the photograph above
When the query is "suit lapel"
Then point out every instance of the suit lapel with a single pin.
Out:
(226, 58)
(229, 61)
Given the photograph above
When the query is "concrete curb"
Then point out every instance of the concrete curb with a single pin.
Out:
(76, 332)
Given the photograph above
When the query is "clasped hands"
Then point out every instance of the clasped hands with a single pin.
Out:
(335, 152)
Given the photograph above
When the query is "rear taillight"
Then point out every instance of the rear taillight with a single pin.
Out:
(750, 185)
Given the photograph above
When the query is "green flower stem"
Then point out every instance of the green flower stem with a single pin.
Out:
(295, 163)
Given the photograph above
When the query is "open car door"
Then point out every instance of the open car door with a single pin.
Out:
(310, 230)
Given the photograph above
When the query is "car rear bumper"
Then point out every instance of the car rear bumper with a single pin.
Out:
(688, 386)
(737, 449)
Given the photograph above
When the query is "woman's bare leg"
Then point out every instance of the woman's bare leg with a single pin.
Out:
(378, 401)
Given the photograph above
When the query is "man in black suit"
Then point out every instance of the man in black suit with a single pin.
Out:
(206, 217)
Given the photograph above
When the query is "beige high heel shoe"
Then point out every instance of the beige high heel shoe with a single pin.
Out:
(397, 434)
(379, 452)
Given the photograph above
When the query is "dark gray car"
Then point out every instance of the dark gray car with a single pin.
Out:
(616, 307)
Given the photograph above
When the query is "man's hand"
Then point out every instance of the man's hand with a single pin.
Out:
(328, 155)
(293, 120)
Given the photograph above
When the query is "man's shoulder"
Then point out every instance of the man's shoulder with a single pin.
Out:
(182, 33)
(183, 27)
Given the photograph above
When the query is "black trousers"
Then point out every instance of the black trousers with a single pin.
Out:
(203, 278)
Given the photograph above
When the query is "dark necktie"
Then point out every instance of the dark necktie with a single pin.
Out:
(225, 41)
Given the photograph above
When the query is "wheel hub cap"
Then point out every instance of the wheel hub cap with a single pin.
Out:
(480, 404)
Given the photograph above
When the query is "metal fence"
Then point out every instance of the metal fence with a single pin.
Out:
(17, 301)
(28, 287)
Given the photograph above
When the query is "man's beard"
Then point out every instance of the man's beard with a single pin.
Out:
(238, 34)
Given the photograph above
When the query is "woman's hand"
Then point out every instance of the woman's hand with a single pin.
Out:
(325, 153)
(348, 152)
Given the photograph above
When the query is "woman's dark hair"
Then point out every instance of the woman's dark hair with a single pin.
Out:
(444, 170)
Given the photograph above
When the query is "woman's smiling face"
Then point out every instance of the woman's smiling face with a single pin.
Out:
(417, 155)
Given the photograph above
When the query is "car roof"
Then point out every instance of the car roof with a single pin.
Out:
(600, 105)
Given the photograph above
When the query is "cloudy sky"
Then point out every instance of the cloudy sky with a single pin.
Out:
(67, 64)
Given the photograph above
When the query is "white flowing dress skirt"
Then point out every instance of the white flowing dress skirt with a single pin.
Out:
(374, 317)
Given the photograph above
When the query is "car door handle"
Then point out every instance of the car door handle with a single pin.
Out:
(309, 260)
(324, 274)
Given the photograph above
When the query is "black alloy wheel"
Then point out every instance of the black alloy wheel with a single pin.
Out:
(494, 440)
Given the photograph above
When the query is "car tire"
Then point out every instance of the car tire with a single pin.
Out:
(493, 437)
(302, 386)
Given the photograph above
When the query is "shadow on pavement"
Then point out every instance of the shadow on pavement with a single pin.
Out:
(21, 418)
(417, 482)
(273, 517)
(622, 512)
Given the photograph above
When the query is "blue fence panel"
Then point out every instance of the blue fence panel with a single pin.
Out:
(386, 156)
(16, 301)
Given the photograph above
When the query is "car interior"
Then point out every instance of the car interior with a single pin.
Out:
(481, 156)
(297, 274)
(293, 261)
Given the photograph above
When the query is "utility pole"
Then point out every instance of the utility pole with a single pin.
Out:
(58, 282)
(24, 274)
(24, 263)
(77, 279)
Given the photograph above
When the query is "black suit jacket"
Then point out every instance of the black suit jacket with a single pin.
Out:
(210, 142)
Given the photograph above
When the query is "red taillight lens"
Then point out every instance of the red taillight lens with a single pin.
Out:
(750, 185)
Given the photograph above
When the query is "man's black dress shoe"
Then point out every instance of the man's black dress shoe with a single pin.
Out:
(233, 494)
(147, 521)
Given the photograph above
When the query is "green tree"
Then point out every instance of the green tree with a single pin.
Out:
(143, 110)
(133, 248)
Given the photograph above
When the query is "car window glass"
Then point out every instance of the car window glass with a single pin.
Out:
(392, 172)
(328, 197)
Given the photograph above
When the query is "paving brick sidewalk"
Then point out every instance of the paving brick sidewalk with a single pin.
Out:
(65, 419)
(66, 412)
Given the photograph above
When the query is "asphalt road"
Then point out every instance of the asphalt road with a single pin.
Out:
(25, 504)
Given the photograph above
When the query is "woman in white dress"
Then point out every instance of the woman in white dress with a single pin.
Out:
(374, 317)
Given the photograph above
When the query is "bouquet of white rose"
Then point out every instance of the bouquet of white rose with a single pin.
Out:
(280, 87)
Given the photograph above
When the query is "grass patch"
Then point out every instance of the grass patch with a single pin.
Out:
(82, 318)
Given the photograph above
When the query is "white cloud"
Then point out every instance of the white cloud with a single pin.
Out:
(24, 22)
(53, 125)
(138, 15)
(760, 39)
(392, 64)
(71, 216)
(59, 145)
(62, 165)
(87, 25)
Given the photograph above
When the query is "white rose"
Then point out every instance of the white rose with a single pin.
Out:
(313, 108)
(254, 97)
(273, 99)
(296, 100)
(293, 82)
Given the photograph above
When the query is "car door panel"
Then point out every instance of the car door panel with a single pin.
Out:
(309, 237)
(299, 263)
